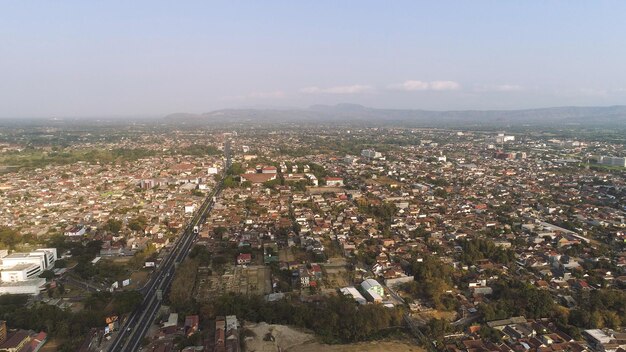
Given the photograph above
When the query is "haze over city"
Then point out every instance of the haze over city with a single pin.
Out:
(152, 58)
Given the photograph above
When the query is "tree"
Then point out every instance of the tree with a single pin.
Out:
(47, 274)
(236, 169)
(61, 263)
(436, 330)
(138, 224)
(9, 238)
(113, 226)
(229, 182)
(220, 231)
(490, 334)
(126, 301)
(201, 254)
(181, 292)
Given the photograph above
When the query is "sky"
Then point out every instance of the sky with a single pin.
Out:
(151, 58)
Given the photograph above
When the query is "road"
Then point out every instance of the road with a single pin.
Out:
(138, 322)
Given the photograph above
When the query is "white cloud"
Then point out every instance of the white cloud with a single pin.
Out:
(413, 85)
(499, 88)
(353, 89)
(444, 85)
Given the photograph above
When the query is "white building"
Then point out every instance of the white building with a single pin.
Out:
(28, 287)
(354, 293)
(612, 160)
(313, 179)
(374, 297)
(77, 230)
(502, 138)
(371, 285)
(231, 322)
(371, 154)
(334, 181)
(43, 258)
(19, 272)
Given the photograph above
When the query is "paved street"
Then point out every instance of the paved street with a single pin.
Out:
(137, 324)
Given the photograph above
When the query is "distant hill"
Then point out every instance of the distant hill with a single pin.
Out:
(353, 113)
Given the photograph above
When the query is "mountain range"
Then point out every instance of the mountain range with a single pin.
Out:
(610, 116)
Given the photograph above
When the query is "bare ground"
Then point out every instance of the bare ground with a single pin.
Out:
(383, 346)
(287, 339)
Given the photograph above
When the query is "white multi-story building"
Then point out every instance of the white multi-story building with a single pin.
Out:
(19, 272)
(44, 258)
(501, 138)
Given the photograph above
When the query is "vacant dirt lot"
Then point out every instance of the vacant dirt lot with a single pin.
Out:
(287, 339)
(358, 347)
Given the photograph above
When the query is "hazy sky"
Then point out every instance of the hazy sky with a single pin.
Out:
(95, 58)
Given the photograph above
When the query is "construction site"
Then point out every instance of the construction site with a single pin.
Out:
(250, 280)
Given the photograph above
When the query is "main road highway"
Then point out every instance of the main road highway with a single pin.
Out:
(138, 322)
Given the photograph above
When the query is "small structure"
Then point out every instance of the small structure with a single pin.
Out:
(334, 181)
(192, 323)
(244, 258)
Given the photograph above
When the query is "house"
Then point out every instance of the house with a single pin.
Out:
(192, 323)
(112, 250)
(160, 242)
(190, 208)
(21, 340)
(77, 230)
(334, 181)
(258, 178)
(305, 277)
(15, 341)
(269, 170)
(244, 258)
